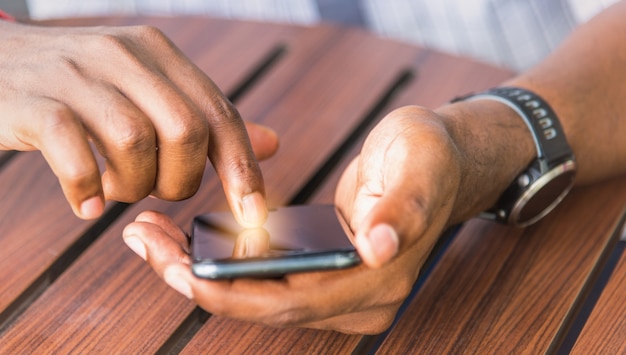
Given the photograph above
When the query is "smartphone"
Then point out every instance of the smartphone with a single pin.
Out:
(294, 239)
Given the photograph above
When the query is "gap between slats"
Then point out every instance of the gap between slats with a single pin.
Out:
(6, 156)
(565, 340)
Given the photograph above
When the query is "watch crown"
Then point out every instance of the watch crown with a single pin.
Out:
(523, 180)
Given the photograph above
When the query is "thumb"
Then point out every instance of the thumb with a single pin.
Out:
(389, 227)
(408, 178)
(413, 204)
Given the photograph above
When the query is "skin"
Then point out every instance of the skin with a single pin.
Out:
(129, 92)
(431, 165)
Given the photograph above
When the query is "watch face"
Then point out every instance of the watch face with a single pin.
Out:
(544, 194)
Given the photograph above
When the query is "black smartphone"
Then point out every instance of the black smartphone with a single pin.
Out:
(294, 239)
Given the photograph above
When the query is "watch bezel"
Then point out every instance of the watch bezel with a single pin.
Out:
(531, 191)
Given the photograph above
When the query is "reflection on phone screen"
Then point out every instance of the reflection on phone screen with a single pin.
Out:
(292, 230)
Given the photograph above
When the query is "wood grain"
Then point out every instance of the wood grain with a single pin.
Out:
(30, 237)
(505, 290)
(605, 330)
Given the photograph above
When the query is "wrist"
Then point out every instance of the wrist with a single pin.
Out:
(483, 131)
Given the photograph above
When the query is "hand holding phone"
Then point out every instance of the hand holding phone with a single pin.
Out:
(294, 239)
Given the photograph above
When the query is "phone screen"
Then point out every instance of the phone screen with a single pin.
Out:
(294, 239)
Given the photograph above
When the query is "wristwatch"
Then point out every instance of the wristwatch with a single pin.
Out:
(546, 181)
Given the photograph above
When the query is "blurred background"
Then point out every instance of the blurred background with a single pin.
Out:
(515, 34)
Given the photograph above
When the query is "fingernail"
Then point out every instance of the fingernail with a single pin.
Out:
(136, 246)
(254, 210)
(379, 245)
(175, 280)
(91, 208)
(384, 240)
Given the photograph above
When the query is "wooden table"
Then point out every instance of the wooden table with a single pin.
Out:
(70, 286)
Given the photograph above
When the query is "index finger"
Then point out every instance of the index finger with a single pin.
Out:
(230, 150)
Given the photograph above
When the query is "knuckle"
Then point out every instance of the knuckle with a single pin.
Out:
(75, 174)
(242, 168)
(191, 131)
(221, 112)
(70, 66)
(55, 118)
(150, 34)
(118, 45)
(132, 136)
(109, 43)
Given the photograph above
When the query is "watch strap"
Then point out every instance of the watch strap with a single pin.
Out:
(548, 178)
(540, 118)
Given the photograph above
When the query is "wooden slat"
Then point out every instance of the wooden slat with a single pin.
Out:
(36, 223)
(605, 330)
(31, 238)
(317, 111)
(504, 290)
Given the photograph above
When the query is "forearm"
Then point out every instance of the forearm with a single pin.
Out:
(583, 82)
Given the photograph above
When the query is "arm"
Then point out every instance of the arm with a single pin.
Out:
(583, 81)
